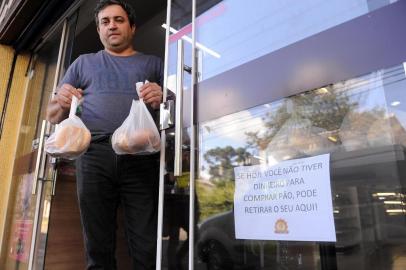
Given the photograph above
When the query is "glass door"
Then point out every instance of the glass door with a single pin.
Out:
(34, 172)
(27, 221)
(360, 123)
(173, 242)
(244, 110)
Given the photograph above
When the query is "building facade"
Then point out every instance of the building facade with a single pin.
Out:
(264, 87)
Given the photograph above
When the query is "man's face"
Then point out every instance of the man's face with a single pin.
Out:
(114, 29)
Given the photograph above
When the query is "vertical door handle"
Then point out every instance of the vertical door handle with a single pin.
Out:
(39, 157)
(54, 174)
(179, 110)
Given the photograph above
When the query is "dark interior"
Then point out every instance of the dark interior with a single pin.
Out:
(150, 36)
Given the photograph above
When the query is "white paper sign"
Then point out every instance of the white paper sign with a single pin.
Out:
(288, 201)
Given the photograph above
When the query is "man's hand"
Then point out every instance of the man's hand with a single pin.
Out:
(64, 95)
(59, 106)
(151, 93)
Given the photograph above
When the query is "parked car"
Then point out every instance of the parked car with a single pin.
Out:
(218, 248)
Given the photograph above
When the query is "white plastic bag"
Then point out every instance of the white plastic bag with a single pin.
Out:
(71, 137)
(138, 134)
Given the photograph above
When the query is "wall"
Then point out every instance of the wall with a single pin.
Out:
(8, 141)
(6, 58)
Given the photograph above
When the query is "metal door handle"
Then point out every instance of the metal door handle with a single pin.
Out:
(179, 111)
(39, 156)
(54, 174)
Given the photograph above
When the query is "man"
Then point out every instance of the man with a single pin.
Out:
(106, 81)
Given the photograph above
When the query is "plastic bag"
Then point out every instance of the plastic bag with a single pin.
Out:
(138, 134)
(71, 137)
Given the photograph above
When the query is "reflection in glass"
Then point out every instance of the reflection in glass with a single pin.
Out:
(241, 32)
(23, 205)
(361, 122)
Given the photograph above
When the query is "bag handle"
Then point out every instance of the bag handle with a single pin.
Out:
(138, 86)
(73, 106)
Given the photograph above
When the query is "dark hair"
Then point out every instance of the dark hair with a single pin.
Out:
(104, 3)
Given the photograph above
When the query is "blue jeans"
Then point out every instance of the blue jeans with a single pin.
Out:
(105, 181)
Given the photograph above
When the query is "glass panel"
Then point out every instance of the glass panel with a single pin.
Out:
(23, 205)
(231, 33)
(50, 163)
(361, 122)
(352, 120)
(175, 245)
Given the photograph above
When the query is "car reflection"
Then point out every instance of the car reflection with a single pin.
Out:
(218, 248)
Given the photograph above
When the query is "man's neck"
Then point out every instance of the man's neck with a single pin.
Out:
(126, 52)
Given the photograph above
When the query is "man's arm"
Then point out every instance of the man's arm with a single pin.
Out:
(59, 106)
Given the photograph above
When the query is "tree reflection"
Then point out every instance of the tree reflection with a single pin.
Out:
(222, 160)
(324, 108)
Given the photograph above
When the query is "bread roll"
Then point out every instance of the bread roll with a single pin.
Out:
(72, 139)
(138, 141)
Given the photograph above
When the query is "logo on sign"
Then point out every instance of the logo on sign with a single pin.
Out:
(281, 226)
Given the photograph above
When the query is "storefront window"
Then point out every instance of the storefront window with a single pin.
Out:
(232, 33)
(361, 123)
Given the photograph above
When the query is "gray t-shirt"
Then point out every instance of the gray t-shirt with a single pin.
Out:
(108, 84)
